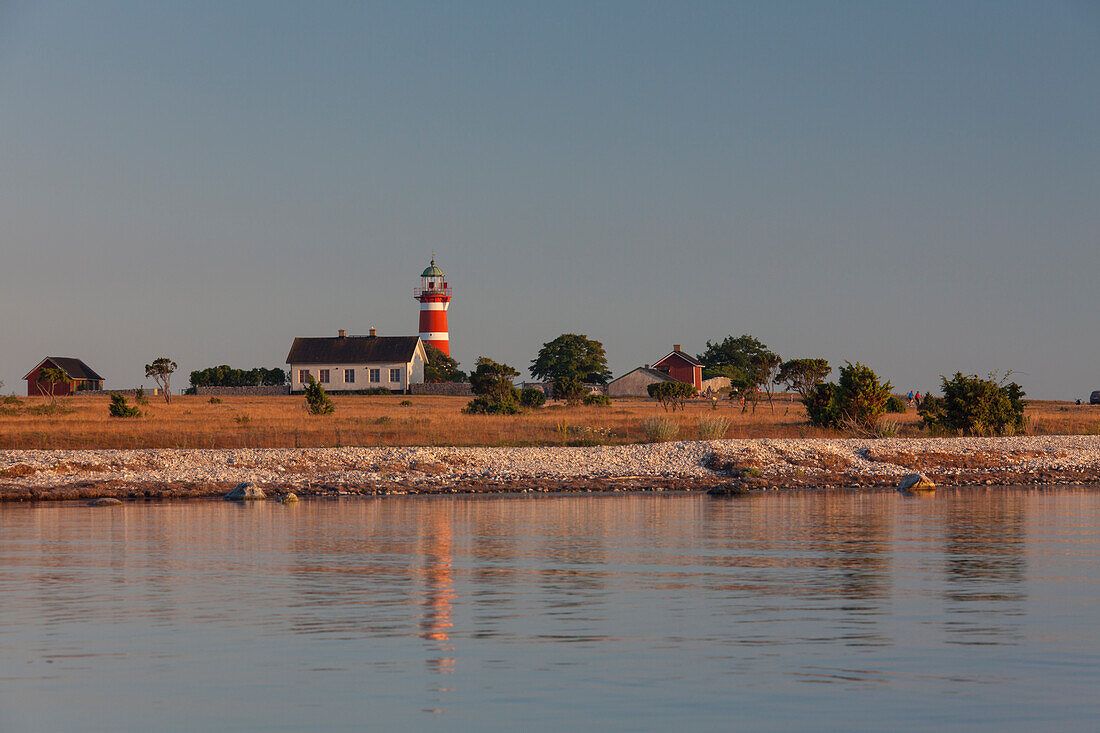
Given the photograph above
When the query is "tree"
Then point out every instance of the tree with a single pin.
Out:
(571, 356)
(441, 368)
(802, 375)
(317, 401)
(570, 389)
(492, 383)
(767, 366)
(51, 376)
(671, 394)
(160, 371)
(732, 356)
(226, 376)
(975, 406)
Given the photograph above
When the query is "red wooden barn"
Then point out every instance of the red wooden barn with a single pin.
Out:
(681, 367)
(82, 377)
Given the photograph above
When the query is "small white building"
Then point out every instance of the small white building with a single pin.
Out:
(357, 363)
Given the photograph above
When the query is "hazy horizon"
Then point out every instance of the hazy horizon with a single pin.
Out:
(915, 186)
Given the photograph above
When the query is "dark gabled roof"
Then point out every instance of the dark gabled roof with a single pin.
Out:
(661, 376)
(686, 357)
(353, 350)
(73, 368)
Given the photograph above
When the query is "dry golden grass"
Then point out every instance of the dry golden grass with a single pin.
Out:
(282, 422)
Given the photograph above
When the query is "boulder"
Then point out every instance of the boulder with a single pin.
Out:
(245, 492)
(289, 498)
(916, 482)
(104, 501)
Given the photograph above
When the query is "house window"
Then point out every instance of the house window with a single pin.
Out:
(376, 375)
(324, 376)
(349, 376)
(395, 375)
(303, 376)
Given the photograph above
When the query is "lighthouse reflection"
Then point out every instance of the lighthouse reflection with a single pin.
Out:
(439, 593)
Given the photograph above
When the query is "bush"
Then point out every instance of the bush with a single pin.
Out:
(406, 403)
(857, 400)
(532, 397)
(660, 429)
(317, 402)
(975, 406)
(597, 400)
(139, 396)
(378, 391)
(487, 406)
(712, 428)
(492, 383)
(895, 404)
(120, 408)
(215, 400)
(820, 405)
(671, 394)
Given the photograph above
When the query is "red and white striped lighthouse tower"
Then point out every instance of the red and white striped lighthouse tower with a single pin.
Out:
(434, 295)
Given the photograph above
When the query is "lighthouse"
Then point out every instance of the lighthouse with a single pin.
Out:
(434, 295)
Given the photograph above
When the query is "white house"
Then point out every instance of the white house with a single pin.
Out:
(356, 363)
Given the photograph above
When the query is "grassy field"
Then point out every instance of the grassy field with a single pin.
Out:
(282, 422)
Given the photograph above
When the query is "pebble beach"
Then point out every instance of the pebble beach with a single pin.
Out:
(758, 464)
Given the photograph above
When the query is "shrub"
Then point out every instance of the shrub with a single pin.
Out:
(597, 400)
(660, 429)
(139, 396)
(492, 383)
(406, 403)
(859, 394)
(856, 400)
(215, 400)
(820, 405)
(486, 406)
(532, 397)
(120, 408)
(378, 391)
(317, 402)
(242, 419)
(975, 406)
(712, 428)
(895, 404)
(671, 394)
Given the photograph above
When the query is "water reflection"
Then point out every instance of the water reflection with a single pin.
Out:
(439, 592)
(984, 553)
(614, 603)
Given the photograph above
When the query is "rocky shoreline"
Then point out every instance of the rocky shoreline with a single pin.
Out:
(748, 465)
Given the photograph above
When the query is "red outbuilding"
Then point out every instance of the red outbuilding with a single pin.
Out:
(681, 367)
(81, 377)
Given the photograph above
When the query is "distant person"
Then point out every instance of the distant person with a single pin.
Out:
(910, 398)
(917, 398)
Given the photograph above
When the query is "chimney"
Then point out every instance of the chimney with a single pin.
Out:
(342, 333)
(373, 331)
(647, 366)
(676, 347)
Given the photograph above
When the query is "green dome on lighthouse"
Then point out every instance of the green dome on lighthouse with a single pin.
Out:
(432, 271)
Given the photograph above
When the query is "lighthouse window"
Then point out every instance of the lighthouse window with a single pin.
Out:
(395, 375)
(376, 375)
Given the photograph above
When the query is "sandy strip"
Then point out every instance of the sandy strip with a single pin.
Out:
(690, 465)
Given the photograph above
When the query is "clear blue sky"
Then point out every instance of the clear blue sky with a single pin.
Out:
(912, 185)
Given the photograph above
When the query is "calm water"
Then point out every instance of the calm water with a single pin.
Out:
(972, 610)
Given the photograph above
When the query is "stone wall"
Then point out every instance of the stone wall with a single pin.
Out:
(281, 389)
(452, 389)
